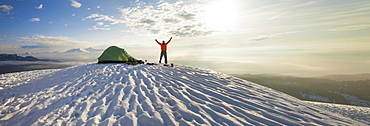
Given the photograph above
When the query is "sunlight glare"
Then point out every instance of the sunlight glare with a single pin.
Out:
(220, 15)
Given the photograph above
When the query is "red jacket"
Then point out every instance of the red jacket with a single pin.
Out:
(164, 46)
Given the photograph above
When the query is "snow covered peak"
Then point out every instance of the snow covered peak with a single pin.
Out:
(119, 94)
(27, 54)
(78, 50)
(90, 49)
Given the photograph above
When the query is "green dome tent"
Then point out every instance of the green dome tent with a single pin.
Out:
(115, 54)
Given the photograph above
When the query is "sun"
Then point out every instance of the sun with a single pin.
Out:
(220, 15)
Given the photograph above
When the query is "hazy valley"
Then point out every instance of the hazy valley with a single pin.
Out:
(339, 89)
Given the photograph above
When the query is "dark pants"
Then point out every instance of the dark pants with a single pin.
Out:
(163, 53)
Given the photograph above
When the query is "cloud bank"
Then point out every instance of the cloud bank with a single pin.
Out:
(175, 19)
(50, 42)
(51, 47)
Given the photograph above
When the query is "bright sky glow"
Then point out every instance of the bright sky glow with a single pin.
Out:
(298, 37)
(221, 15)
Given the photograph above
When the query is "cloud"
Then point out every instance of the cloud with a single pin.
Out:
(39, 7)
(269, 36)
(178, 19)
(49, 42)
(190, 31)
(351, 28)
(186, 16)
(5, 49)
(100, 23)
(6, 8)
(307, 4)
(169, 20)
(75, 4)
(162, 18)
(278, 16)
(98, 17)
(34, 19)
(101, 26)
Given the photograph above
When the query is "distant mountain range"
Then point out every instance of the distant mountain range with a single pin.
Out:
(86, 50)
(93, 50)
(15, 57)
(340, 89)
(347, 77)
(14, 63)
(26, 61)
(76, 50)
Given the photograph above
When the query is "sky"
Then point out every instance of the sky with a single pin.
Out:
(295, 37)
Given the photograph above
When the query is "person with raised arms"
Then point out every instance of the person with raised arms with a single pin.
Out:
(163, 50)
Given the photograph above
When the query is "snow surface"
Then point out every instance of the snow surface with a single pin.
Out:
(312, 96)
(361, 114)
(120, 94)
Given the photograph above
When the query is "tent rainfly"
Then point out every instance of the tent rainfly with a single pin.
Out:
(114, 54)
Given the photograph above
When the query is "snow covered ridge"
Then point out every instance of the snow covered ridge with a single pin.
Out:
(15, 79)
(119, 94)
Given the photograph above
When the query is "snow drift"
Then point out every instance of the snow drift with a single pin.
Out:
(119, 94)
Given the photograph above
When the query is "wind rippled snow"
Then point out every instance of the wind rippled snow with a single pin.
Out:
(119, 94)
